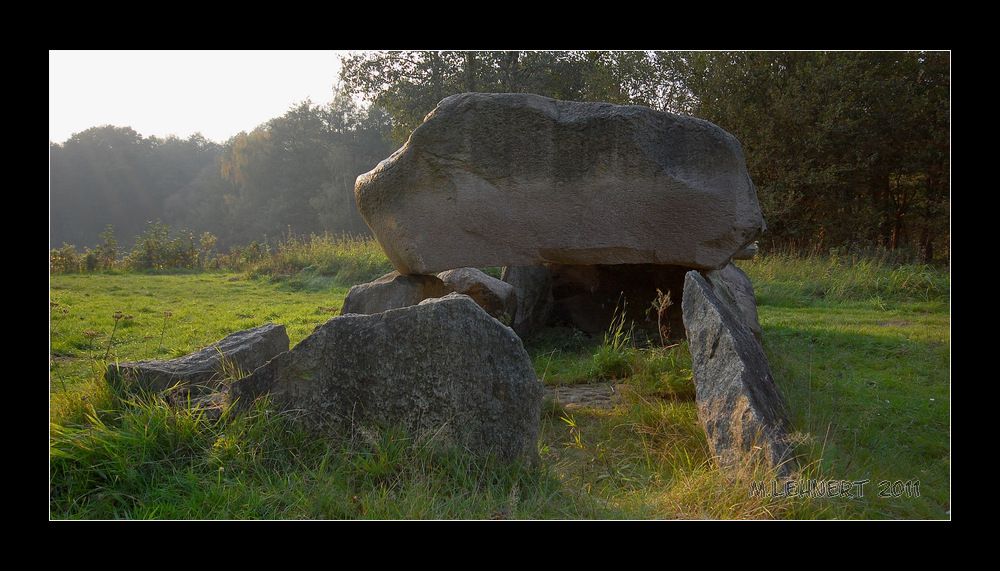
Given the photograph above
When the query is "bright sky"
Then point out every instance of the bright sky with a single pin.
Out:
(162, 93)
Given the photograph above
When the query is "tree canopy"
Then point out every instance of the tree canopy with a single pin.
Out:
(409, 84)
(847, 149)
(112, 175)
(293, 174)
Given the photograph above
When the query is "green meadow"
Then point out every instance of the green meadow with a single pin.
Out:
(860, 348)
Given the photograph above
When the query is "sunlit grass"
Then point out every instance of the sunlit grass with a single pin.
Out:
(862, 352)
(865, 370)
(317, 261)
(172, 315)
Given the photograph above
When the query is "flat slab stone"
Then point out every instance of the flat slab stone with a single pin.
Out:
(520, 179)
(204, 371)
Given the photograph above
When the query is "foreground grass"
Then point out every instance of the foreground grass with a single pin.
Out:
(865, 371)
(862, 352)
(101, 318)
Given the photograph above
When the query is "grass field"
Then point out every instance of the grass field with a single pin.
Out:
(860, 349)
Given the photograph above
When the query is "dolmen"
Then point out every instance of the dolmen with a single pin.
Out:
(581, 205)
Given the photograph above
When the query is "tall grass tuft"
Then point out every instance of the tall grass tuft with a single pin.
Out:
(845, 278)
(614, 359)
(345, 260)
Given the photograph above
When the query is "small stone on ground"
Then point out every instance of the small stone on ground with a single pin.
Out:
(592, 395)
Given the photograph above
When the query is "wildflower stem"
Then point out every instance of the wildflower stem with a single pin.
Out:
(166, 314)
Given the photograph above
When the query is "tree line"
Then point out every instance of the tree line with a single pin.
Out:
(292, 175)
(847, 149)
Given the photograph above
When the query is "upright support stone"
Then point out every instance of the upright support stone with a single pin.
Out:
(739, 406)
(533, 291)
(497, 297)
(737, 289)
(392, 291)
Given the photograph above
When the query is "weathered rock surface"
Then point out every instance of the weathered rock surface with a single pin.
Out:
(520, 179)
(443, 369)
(203, 371)
(497, 297)
(735, 287)
(739, 406)
(392, 291)
(533, 291)
(395, 291)
(747, 253)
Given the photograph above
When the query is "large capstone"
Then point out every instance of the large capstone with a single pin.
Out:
(442, 369)
(518, 179)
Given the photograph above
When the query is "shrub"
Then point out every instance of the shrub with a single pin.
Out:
(64, 260)
(156, 250)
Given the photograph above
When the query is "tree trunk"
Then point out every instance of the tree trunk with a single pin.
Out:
(471, 71)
